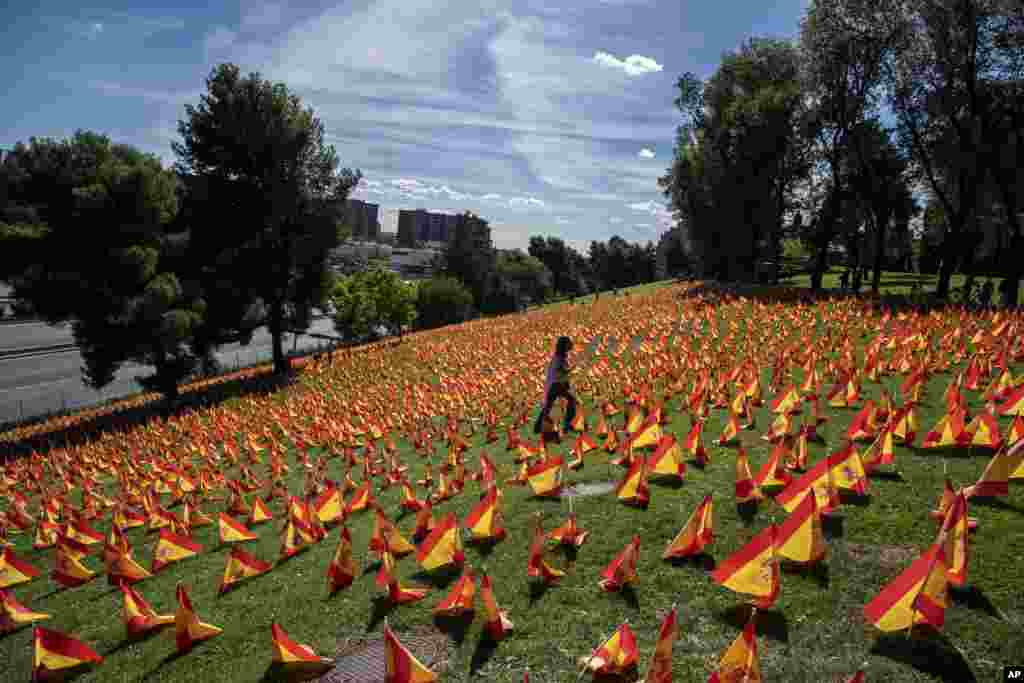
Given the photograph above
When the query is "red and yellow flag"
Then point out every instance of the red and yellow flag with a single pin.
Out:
(189, 630)
(660, 668)
(342, 570)
(615, 656)
(443, 546)
(498, 624)
(740, 663)
(696, 534)
(329, 507)
(233, 531)
(295, 656)
(401, 665)
(386, 536)
(241, 565)
(746, 489)
(260, 512)
(818, 481)
(545, 477)
(953, 537)
(984, 431)
(14, 570)
(799, 537)
(622, 570)
(361, 499)
(139, 615)
(68, 569)
(1014, 403)
(14, 615)
(484, 520)
(633, 489)
(773, 473)
(55, 651)
(537, 567)
(568, 533)
(172, 548)
(753, 569)
(460, 598)
(995, 479)
(917, 596)
(667, 459)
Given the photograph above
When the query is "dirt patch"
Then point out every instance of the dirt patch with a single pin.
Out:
(361, 659)
(888, 557)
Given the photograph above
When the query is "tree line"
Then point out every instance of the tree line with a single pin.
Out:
(829, 139)
(161, 266)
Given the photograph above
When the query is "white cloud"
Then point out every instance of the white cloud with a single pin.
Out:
(560, 220)
(633, 65)
(615, 220)
(525, 202)
(645, 153)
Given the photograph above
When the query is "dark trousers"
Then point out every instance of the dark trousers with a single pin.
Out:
(558, 390)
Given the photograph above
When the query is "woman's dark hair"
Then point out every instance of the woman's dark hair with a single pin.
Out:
(563, 345)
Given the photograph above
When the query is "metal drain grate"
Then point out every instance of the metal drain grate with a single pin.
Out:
(362, 660)
(595, 488)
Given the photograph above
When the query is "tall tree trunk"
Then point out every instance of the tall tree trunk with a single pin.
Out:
(881, 227)
(275, 326)
(824, 237)
(1016, 269)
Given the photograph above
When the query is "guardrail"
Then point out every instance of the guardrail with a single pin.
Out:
(32, 351)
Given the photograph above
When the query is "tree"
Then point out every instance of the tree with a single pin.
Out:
(564, 263)
(266, 202)
(953, 55)
(470, 258)
(844, 45)
(101, 256)
(528, 279)
(442, 301)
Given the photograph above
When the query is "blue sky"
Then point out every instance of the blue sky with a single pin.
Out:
(543, 116)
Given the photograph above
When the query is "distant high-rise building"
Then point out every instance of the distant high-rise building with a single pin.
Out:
(362, 218)
(473, 230)
(421, 225)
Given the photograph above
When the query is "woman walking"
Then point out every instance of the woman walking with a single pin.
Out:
(557, 386)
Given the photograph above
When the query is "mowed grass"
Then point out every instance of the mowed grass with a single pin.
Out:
(814, 633)
(894, 282)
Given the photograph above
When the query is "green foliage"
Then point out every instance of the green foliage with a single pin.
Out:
(442, 301)
(366, 300)
(569, 269)
(468, 261)
(264, 203)
(528, 279)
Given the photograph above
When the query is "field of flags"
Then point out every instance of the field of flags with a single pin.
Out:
(766, 460)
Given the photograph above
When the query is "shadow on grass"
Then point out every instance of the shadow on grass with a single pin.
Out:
(769, 623)
(998, 504)
(854, 499)
(382, 607)
(141, 638)
(65, 675)
(973, 598)
(747, 511)
(294, 673)
(455, 627)
(628, 595)
(666, 482)
(439, 578)
(928, 651)
(832, 526)
(537, 591)
(176, 655)
(485, 649)
(700, 561)
(886, 475)
(818, 571)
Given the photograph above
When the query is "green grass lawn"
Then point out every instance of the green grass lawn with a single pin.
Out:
(814, 633)
(892, 282)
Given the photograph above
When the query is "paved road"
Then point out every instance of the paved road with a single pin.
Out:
(34, 386)
(22, 335)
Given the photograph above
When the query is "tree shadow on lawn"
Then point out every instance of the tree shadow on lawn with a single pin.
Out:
(973, 598)
(771, 623)
(818, 571)
(174, 656)
(886, 475)
(537, 590)
(700, 561)
(382, 607)
(294, 673)
(440, 578)
(454, 626)
(928, 651)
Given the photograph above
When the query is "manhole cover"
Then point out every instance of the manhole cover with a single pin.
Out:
(362, 660)
(596, 488)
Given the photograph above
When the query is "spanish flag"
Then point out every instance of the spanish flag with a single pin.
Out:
(443, 546)
(917, 596)
(296, 537)
(615, 656)
(401, 665)
(848, 470)
(68, 569)
(397, 593)
(342, 570)
(123, 568)
(953, 537)
(667, 459)
(660, 668)
(189, 630)
(568, 533)
(14, 615)
(409, 500)
(647, 434)
(799, 537)
(818, 481)
(904, 424)
(233, 531)
(1014, 404)
(622, 570)
(139, 615)
(696, 534)
(537, 567)
(460, 598)
(485, 521)
(260, 512)
(173, 548)
(948, 431)
(55, 652)
(995, 480)
(739, 663)
(14, 570)
(633, 489)
(773, 473)
(362, 498)
(730, 431)
(329, 506)
(424, 522)
(498, 624)
(545, 477)
(296, 657)
(746, 489)
(693, 444)
(753, 569)
(241, 565)
(984, 431)
(788, 401)
(880, 452)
